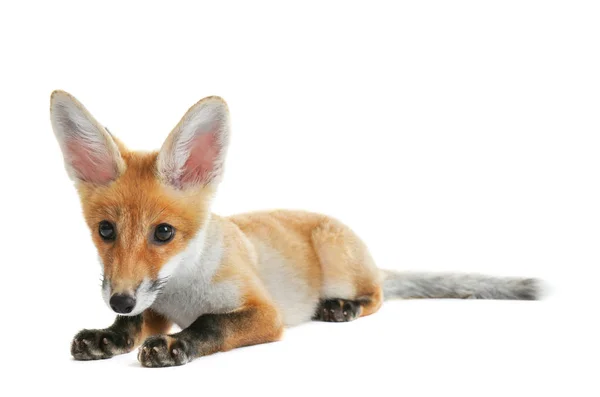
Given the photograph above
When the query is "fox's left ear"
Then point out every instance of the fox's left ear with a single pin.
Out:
(194, 153)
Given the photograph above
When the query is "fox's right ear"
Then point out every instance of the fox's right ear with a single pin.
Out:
(90, 153)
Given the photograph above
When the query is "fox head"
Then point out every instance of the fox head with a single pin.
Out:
(143, 209)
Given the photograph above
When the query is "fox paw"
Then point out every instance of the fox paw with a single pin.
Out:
(164, 351)
(337, 310)
(97, 344)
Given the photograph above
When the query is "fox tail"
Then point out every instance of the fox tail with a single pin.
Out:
(458, 286)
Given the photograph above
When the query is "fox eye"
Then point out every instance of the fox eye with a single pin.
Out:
(164, 233)
(107, 231)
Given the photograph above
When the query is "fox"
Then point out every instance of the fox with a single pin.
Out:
(226, 282)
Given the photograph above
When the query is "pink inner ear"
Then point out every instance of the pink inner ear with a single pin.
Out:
(203, 155)
(90, 167)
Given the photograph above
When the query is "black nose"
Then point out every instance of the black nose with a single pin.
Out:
(122, 303)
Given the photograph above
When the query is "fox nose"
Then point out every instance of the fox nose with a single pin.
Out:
(122, 303)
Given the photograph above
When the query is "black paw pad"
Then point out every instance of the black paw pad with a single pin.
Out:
(163, 351)
(337, 310)
(97, 344)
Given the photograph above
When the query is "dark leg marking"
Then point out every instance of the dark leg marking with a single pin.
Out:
(337, 310)
(204, 336)
(212, 333)
(96, 344)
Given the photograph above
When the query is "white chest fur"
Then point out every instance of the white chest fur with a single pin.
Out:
(190, 291)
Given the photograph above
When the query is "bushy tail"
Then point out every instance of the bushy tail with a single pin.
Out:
(458, 286)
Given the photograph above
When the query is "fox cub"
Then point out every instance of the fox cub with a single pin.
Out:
(225, 281)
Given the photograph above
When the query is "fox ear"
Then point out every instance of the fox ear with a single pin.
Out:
(194, 153)
(90, 153)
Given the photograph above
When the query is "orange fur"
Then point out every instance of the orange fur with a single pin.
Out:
(279, 266)
(154, 324)
(137, 202)
(321, 251)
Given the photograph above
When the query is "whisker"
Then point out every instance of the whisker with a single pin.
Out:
(158, 284)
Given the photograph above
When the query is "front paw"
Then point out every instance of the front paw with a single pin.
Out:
(97, 344)
(164, 351)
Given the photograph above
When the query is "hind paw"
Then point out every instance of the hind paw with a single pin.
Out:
(337, 311)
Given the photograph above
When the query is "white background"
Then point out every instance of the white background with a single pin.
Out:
(451, 135)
